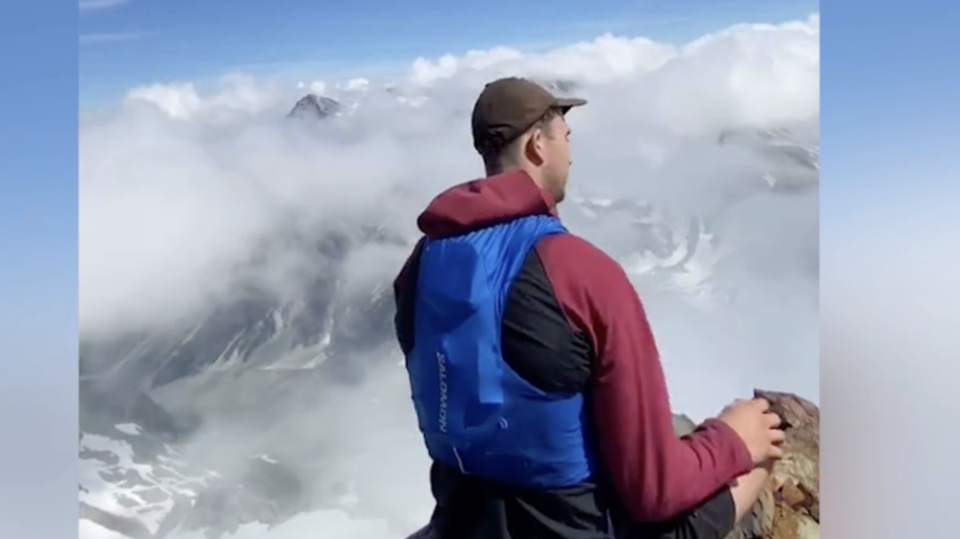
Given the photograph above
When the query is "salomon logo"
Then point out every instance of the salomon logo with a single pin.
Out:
(442, 368)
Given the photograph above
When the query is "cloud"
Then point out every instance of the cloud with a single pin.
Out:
(115, 37)
(182, 184)
(99, 5)
(197, 178)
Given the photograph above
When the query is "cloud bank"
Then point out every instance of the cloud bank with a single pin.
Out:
(181, 186)
(178, 185)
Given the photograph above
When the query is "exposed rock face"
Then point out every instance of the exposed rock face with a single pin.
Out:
(176, 497)
(789, 508)
(314, 107)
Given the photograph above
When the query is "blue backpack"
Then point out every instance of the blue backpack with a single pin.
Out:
(474, 411)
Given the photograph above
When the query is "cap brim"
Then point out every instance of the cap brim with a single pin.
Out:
(567, 103)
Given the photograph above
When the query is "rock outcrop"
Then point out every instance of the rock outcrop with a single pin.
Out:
(789, 508)
(314, 107)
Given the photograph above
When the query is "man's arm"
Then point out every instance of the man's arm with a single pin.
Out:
(657, 475)
(404, 295)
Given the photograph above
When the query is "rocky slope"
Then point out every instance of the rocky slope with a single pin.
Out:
(141, 487)
(789, 507)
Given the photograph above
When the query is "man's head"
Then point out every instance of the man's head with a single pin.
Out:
(518, 124)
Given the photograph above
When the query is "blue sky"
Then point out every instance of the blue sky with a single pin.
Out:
(124, 43)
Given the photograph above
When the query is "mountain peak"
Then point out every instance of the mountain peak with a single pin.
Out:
(315, 107)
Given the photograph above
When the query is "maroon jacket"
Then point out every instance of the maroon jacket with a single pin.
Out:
(656, 475)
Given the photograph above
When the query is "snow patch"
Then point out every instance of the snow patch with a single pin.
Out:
(128, 428)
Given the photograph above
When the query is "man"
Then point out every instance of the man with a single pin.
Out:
(535, 376)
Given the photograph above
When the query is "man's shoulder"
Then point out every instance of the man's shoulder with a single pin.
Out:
(575, 250)
(576, 256)
(590, 286)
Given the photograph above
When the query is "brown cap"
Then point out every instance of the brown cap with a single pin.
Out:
(509, 106)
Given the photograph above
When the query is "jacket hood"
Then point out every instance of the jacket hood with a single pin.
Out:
(484, 202)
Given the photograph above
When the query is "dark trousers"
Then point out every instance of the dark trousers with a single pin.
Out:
(714, 519)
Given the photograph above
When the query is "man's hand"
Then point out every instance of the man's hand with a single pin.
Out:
(757, 428)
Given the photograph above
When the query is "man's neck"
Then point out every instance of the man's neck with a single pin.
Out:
(531, 172)
(534, 177)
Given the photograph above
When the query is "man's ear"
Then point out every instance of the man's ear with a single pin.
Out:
(534, 147)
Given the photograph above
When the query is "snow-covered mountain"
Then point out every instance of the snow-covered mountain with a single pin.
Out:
(685, 253)
(151, 402)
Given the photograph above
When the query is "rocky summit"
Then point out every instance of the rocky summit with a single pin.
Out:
(789, 507)
(314, 107)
